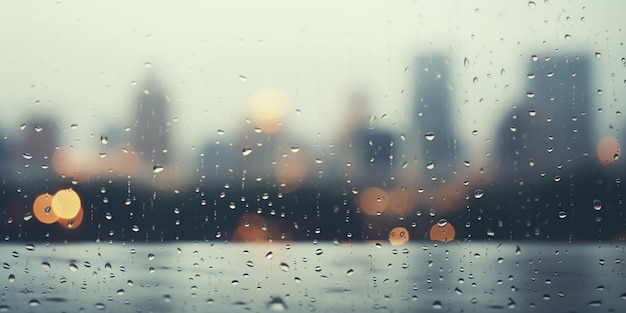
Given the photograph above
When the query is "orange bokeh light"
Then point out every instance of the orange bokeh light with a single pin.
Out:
(66, 203)
(74, 222)
(42, 209)
(608, 150)
(254, 228)
(442, 232)
(398, 236)
(373, 200)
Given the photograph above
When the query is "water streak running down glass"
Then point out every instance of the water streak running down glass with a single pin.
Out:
(279, 156)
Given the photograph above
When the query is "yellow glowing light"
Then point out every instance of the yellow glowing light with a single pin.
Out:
(42, 209)
(268, 109)
(74, 222)
(608, 150)
(66, 203)
(442, 232)
(373, 200)
(398, 236)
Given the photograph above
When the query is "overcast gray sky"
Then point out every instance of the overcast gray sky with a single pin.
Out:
(77, 60)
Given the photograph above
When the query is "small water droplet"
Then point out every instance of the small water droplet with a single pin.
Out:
(34, 302)
(466, 62)
(518, 250)
(430, 165)
(597, 205)
(269, 255)
(246, 151)
(73, 267)
(437, 305)
(277, 304)
(100, 306)
(319, 251)
(568, 37)
(135, 228)
(11, 278)
(150, 257)
(157, 169)
(73, 126)
(442, 222)
(104, 139)
(284, 267)
(350, 272)
(27, 156)
(29, 247)
(532, 4)
(478, 193)
(562, 214)
(147, 65)
(167, 298)
(429, 136)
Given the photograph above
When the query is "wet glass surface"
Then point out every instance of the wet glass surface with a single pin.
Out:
(358, 156)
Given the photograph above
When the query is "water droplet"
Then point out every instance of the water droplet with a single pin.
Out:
(458, 291)
(530, 95)
(73, 126)
(104, 139)
(442, 222)
(269, 255)
(157, 168)
(27, 156)
(147, 65)
(11, 278)
(277, 304)
(478, 193)
(243, 78)
(45, 265)
(532, 112)
(150, 257)
(437, 305)
(475, 80)
(246, 151)
(597, 205)
(532, 4)
(466, 62)
(598, 55)
(430, 165)
(350, 272)
(568, 37)
(429, 136)
(73, 267)
(29, 247)
(167, 298)
(595, 303)
(135, 228)
(100, 306)
(33, 302)
(518, 250)
(284, 267)
(562, 214)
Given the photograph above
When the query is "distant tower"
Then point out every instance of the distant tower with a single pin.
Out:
(549, 130)
(436, 139)
(151, 128)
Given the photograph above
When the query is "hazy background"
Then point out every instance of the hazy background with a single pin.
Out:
(86, 63)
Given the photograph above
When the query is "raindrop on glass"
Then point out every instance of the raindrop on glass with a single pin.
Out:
(597, 205)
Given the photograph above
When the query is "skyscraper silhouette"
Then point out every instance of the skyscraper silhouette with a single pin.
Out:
(433, 128)
(151, 132)
(549, 132)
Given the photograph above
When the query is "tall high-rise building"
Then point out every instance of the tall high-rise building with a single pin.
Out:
(151, 127)
(433, 130)
(549, 131)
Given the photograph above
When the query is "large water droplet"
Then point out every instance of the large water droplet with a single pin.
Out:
(597, 205)
(157, 168)
(246, 151)
(478, 193)
(277, 304)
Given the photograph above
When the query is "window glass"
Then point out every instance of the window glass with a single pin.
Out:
(306, 156)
